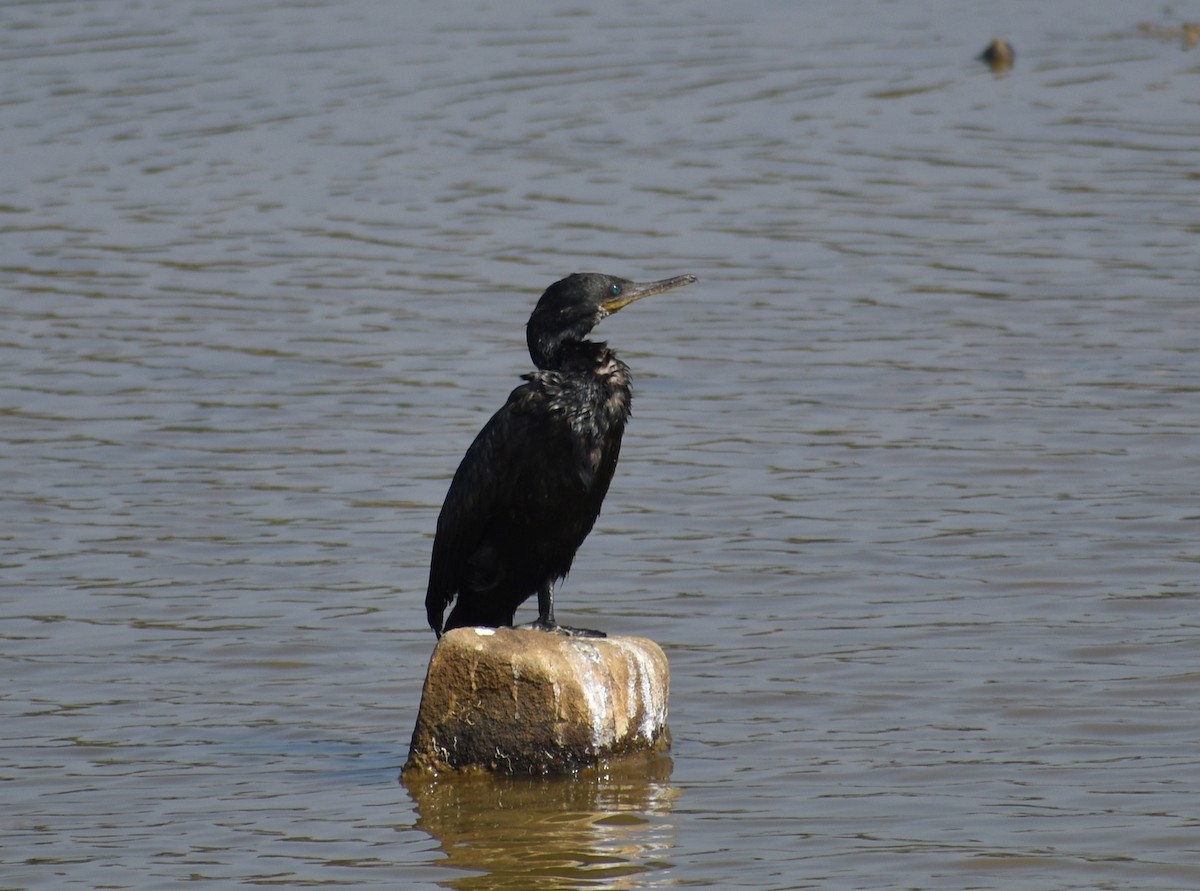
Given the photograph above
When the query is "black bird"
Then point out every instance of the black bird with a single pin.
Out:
(529, 488)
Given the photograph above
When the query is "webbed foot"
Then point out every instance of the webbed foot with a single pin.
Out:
(555, 628)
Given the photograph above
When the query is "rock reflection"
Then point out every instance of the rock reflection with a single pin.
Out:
(600, 828)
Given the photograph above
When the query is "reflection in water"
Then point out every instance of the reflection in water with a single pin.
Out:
(599, 828)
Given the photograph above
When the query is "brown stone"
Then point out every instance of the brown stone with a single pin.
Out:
(999, 55)
(515, 700)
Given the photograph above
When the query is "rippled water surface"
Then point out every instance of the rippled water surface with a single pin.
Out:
(910, 496)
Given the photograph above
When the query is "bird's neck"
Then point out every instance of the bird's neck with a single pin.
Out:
(570, 355)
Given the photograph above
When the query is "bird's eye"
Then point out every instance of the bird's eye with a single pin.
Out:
(614, 290)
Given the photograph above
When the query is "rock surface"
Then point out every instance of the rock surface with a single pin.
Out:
(515, 700)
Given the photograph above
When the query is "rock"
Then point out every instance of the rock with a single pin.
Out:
(515, 700)
(999, 55)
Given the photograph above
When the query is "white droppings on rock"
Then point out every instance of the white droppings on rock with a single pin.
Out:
(586, 658)
(653, 707)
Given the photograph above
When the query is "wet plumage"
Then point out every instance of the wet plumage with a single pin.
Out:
(530, 486)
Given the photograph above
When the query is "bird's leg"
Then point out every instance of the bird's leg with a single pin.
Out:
(545, 620)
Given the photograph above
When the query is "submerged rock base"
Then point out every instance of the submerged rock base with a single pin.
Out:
(514, 700)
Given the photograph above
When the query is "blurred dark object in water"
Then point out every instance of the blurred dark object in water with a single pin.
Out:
(999, 55)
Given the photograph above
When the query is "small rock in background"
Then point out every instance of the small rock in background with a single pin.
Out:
(999, 55)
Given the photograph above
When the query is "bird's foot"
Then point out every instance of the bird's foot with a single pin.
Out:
(555, 628)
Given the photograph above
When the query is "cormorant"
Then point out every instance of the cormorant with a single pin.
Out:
(530, 486)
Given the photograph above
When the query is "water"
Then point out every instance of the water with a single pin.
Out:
(909, 497)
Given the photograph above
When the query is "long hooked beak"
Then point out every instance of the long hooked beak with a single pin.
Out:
(638, 290)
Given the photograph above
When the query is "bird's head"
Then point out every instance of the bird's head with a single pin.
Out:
(571, 307)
